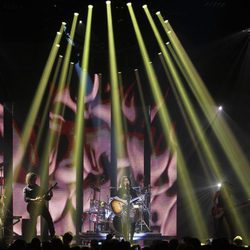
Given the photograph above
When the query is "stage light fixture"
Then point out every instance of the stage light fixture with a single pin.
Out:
(158, 13)
(220, 108)
(144, 6)
(219, 185)
(129, 4)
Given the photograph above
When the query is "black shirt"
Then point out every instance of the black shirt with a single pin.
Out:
(34, 191)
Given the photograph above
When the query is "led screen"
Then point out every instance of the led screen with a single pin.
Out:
(97, 160)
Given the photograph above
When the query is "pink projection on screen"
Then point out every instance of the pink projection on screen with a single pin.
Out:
(97, 161)
(1, 132)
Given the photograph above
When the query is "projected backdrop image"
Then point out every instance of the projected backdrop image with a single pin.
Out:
(97, 160)
(1, 133)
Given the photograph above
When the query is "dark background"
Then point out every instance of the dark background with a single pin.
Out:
(214, 33)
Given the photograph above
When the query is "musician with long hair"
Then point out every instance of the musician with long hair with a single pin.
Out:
(36, 198)
(126, 194)
(222, 211)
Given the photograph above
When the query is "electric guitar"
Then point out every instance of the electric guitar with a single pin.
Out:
(217, 212)
(40, 201)
(117, 206)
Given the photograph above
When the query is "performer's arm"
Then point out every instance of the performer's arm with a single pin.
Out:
(49, 195)
(27, 198)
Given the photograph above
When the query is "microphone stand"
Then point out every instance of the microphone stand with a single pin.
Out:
(128, 213)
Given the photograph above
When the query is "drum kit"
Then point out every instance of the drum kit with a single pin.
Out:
(105, 216)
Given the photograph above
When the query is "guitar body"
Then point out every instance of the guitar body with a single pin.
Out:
(117, 206)
(120, 208)
(35, 206)
(217, 212)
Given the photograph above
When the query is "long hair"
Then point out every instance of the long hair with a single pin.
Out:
(30, 177)
(122, 181)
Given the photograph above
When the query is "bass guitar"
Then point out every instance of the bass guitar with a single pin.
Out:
(218, 212)
(39, 201)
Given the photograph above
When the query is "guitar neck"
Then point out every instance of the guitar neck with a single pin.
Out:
(50, 189)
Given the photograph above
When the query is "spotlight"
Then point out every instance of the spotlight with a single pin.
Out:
(220, 108)
(158, 13)
(80, 22)
(166, 21)
(108, 2)
(76, 14)
(144, 6)
(246, 31)
(58, 45)
(159, 53)
(90, 6)
(219, 185)
(58, 33)
(129, 4)
(64, 23)
(167, 43)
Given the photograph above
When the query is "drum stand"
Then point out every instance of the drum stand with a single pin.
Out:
(97, 216)
(141, 222)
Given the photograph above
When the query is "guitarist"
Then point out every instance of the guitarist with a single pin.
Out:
(221, 211)
(35, 197)
(128, 219)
